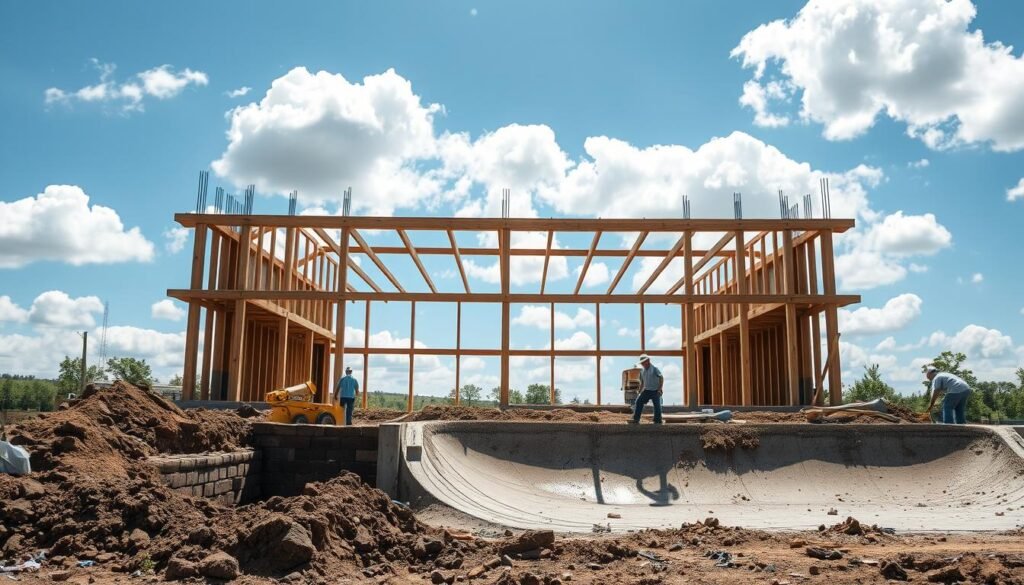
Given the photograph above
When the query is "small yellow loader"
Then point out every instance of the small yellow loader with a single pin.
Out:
(294, 405)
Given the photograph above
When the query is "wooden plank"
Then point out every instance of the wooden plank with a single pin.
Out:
(366, 356)
(629, 259)
(547, 260)
(357, 222)
(703, 261)
(789, 278)
(458, 262)
(351, 263)
(207, 366)
(662, 265)
(505, 237)
(412, 354)
(534, 252)
(416, 259)
(458, 346)
(551, 365)
(586, 263)
(194, 309)
(597, 309)
(340, 299)
(745, 374)
(711, 299)
(835, 383)
(643, 328)
(235, 359)
(375, 259)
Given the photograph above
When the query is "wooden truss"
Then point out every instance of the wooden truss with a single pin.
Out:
(271, 292)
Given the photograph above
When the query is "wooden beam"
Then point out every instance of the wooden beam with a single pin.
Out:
(366, 356)
(535, 252)
(629, 259)
(586, 263)
(711, 299)
(704, 260)
(547, 260)
(188, 384)
(412, 353)
(597, 309)
(505, 237)
(416, 259)
(551, 370)
(490, 352)
(458, 346)
(689, 325)
(745, 374)
(662, 265)
(351, 263)
(828, 274)
(458, 262)
(789, 283)
(357, 222)
(376, 260)
(340, 300)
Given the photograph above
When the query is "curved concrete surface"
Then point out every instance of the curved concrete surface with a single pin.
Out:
(570, 476)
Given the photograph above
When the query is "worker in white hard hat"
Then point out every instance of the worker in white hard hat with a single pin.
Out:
(954, 391)
(346, 392)
(651, 384)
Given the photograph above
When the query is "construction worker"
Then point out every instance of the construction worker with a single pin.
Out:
(651, 384)
(955, 393)
(345, 393)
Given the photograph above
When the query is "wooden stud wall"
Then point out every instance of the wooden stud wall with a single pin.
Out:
(268, 295)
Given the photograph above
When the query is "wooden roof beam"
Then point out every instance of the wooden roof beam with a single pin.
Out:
(351, 263)
(376, 260)
(700, 264)
(625, 263)
(547, 260)
(458, 260)
(662, 265)
(416, 258)
(586, 263)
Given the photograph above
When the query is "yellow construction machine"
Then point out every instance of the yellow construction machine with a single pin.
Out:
(295, 405)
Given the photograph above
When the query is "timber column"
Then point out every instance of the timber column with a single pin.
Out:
(188, 384)
(339, 332)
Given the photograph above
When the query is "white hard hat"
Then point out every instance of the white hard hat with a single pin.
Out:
(643, 358)
(930, 368)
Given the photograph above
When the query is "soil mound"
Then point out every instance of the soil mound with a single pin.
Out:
(727, 438)
(514, 414)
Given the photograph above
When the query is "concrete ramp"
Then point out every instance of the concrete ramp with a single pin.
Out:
(570, 476)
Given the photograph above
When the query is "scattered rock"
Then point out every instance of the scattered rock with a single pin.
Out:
(893, 570)
(178, 568)
(947, 575)
(814, 570)
(833, 512)
(824, 554)
(529, 540)
(797, 543)
(506, 560)
(437, 577)
(675, 547)
(219, 565)
(614, 515)
(60, 575)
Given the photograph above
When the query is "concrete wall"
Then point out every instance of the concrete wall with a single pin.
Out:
(231, 478)
(293, 455)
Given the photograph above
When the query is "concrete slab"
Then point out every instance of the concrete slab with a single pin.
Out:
(570, 476)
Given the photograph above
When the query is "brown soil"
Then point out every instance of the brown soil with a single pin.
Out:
(375, 415)
(728, 438)
(514, 414)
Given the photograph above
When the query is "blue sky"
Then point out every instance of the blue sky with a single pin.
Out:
(571, 90)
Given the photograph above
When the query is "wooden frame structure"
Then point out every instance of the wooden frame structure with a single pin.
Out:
(271, 293)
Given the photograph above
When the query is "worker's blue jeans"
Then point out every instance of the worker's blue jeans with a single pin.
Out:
(641, 401)
(954, 407)
(349, 404)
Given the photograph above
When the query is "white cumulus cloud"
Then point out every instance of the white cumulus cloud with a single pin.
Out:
(57, 309)
(168, 310)
(897, 313)
(60, 225)
(878, 255)
(974, 340)
(539, 316)
(11, 312)
(1016, 192)
(915, 61)
(234, 93)
(175, 239)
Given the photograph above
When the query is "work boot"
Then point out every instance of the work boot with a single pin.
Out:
(632, 422)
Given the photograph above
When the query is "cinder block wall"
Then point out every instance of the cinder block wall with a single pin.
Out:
(293, 455)
(231, 478)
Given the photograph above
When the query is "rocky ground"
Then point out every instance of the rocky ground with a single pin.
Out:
(93, 511)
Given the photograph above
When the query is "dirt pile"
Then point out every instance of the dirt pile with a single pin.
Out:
(375, 415)
(728, 438)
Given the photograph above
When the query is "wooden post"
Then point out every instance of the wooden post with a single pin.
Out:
(597, 309)
(792, 366)
(339, 320)
(745, 374)
(237, 352)
(188, 384)
(505, 239)
(551, 369)
(828, 274)
(458, 349)
(366, 346)
(282, 351)
(691, 351)
(211, 283)
(412, 347)
(818, 381)
(643, 330)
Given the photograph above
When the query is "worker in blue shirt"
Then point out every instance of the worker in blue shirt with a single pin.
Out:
(345, 393)
(955, 393)
(651, 385)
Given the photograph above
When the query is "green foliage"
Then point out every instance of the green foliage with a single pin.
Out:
(469, 395)
(398, 401)
(514, 396)
(27, 393)
(541, 394)
(870, 387)
(70, 377)
(130, 370)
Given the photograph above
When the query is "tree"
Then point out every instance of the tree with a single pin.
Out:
(70, 378)
(870, 387)
(7, 394)
(541, 394)
(176, 380)
(43, 395)
(131, 370)
(514, 396)
(469, 394)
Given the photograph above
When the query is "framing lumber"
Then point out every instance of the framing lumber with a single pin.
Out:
(462, 269)
(416, 259)
(583, 271)
(629, 259)
(376, 260)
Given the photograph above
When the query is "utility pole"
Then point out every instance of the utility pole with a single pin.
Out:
(85, 346)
